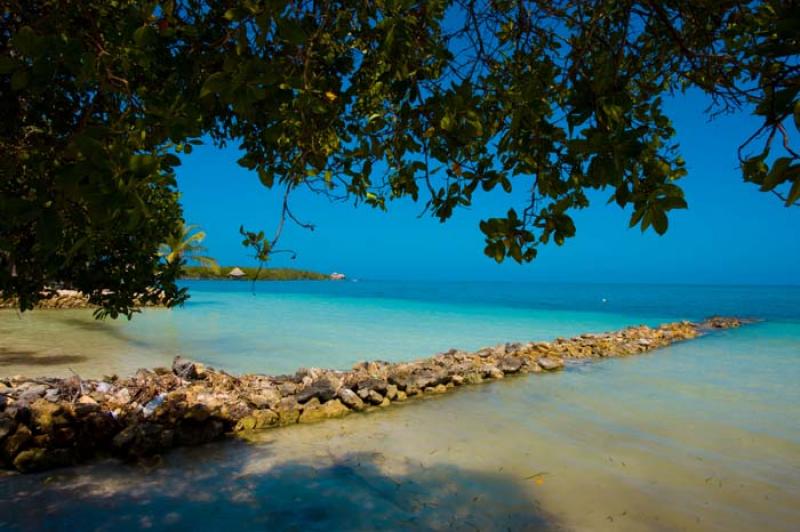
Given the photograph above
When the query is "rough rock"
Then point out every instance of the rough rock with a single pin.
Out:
(391, 392)
(510, 364)
(265, 398)
(194, 433)
(318, 412)
(39, 459)
(258, 419)
(373, 397)
(323, 389)
(378, 385)
(16, 442)
(351, 400)
(32, 392)
(7, 426)
(46, 415)
(139, 416)
(551, 363)
(288, 410)
(187, 369)
(489, 371)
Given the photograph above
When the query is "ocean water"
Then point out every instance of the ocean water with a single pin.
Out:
(703, 435)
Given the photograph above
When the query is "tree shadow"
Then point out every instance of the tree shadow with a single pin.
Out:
(102, 327)
(247, 487)
(12, 357)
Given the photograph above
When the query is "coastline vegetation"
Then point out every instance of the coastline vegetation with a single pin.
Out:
(365, 103)
(266, 274)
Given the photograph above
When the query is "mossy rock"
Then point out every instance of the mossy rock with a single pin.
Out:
(331, 409)
(258, 419)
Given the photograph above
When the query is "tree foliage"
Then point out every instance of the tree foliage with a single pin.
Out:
(253, 274)
(366, 101)
(186, 244)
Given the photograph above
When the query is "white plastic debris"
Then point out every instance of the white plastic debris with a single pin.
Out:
(154, 403)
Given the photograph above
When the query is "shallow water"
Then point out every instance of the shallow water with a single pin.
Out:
(703, 435)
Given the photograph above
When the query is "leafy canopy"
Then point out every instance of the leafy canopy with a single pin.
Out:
(366, 101)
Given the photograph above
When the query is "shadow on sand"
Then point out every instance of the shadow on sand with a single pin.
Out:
(13, 357)
(246, 487)
(102, 327)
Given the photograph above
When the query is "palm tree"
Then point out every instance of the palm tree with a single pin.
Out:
(186, 243)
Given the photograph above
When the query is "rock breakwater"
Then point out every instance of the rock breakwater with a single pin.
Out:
(52, 422)
(64, 299)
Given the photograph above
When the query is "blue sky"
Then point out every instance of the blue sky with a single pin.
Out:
(731, 233)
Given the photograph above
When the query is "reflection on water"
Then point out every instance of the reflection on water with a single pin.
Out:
(703, 435)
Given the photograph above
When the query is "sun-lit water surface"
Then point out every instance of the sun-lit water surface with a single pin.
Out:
(703, 435)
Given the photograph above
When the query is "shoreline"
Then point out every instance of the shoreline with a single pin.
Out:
(73, 299)
(46, 423)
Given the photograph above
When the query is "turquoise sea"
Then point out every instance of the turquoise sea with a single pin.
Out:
(703, 435)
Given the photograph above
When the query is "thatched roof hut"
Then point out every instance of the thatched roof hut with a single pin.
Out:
(236, 273)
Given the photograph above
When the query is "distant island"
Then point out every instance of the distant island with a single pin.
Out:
(266, 274)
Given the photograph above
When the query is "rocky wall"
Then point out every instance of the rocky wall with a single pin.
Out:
(52, 422)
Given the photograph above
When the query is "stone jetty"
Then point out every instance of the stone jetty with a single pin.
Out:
(53, 422)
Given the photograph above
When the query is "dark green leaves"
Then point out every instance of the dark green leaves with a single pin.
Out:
(145, 36)
(508, 237)
(20, 79)
(26, 42)
(369, 102)
(215, 83)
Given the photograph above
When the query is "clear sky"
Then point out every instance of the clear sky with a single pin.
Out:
(731, 233)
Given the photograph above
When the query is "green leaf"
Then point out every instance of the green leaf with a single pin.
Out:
(145, 36)
(794, 193)
(777, 174)
(215, 83)
(236, 13)
(20, 79)
(7, 65)
(660, 221)
(143, 165)
(27, 42)
(447, 122)
(267, 178)
(291, 31)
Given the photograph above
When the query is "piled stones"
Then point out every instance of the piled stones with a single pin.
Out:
(47, 423)
(60, 299)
